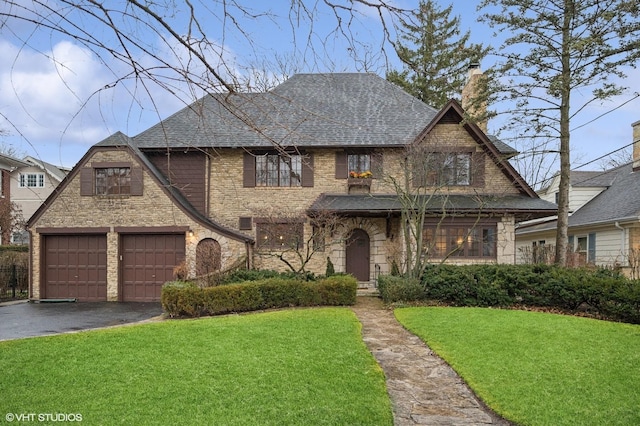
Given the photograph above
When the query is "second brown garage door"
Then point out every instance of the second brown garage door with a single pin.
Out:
(148, 261)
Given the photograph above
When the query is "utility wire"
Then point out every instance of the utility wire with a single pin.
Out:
(590, 162)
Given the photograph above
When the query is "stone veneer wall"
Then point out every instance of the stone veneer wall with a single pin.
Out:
(152, 209)
(230, 200)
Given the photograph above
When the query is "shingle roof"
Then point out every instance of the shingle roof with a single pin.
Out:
(592, 178)
(505, 149)
(307, 110)
(387, 204)
(620, 201)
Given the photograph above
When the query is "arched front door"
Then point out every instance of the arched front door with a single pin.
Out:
(357, 253)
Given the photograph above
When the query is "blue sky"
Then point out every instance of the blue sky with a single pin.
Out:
(58, 109)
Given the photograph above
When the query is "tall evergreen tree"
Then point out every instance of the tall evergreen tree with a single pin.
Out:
(554, 49)
(435, 56)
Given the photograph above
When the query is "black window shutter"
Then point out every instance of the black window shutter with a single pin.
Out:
(376, 165)
(341, 165)
(418, 172)
(307, 170)
(591, 248)
(136, 181)
(86, 181)
(477, 169)
(249, 171)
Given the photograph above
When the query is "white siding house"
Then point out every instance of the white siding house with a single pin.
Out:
(604, 225)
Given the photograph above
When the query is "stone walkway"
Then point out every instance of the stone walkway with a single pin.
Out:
(423, 389)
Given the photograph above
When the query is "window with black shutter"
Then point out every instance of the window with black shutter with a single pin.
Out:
(111, 179)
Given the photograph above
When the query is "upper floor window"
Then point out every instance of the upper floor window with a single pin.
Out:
(277, 169)
(111, 179)
(359, 164)
(449, 169)
(32, 180)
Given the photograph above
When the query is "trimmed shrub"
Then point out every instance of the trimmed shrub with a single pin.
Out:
(232, 298)
(600, 292)
(14, 248)
(393, 288)
(187, 299)
(337, 290)
(181, 298)
(245, 275)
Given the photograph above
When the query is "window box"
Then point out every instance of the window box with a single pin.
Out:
(364, 182)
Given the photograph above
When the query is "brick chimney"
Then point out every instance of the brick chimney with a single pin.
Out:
(474, 78)
(636, 146)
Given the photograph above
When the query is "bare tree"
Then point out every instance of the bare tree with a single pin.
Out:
(616, 159)
(425, 205)
(11, 219)
(280, 234)
(553, 50)
(188, 48)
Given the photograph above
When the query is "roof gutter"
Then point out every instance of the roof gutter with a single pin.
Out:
(523, 230)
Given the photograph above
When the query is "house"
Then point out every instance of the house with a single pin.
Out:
(604, 226)
(252, 178)
(7, 165)
(31, 183)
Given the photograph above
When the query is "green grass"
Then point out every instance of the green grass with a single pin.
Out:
(282, 367)
(537, 368)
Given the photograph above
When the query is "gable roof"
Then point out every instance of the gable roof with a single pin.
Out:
(58, 173)
(120, 141)
(307, 110)
(619, 202)
(584, 179)
(9, 163)
(453, 112)
(587, 179)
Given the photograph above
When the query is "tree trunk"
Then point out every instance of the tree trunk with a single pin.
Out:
(562, 234)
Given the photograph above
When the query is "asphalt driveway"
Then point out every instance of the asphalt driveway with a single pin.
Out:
(20, 320)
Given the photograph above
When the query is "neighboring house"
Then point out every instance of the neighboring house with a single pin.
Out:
(31, 184)
(7, 165)
(604, 226)
(234, 178)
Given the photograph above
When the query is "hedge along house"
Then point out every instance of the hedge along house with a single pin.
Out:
(257, 177)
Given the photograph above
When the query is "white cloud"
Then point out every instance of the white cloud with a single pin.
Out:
(48, 96)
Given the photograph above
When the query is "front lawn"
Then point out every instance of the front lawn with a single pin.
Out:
(285, 367)
(538, 368)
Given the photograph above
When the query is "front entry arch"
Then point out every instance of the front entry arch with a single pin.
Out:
(358, 255)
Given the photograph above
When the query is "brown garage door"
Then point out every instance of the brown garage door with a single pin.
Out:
(147, 263)
(75, 266)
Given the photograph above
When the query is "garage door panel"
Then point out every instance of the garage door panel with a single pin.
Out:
(75, 267)
(148, 262)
